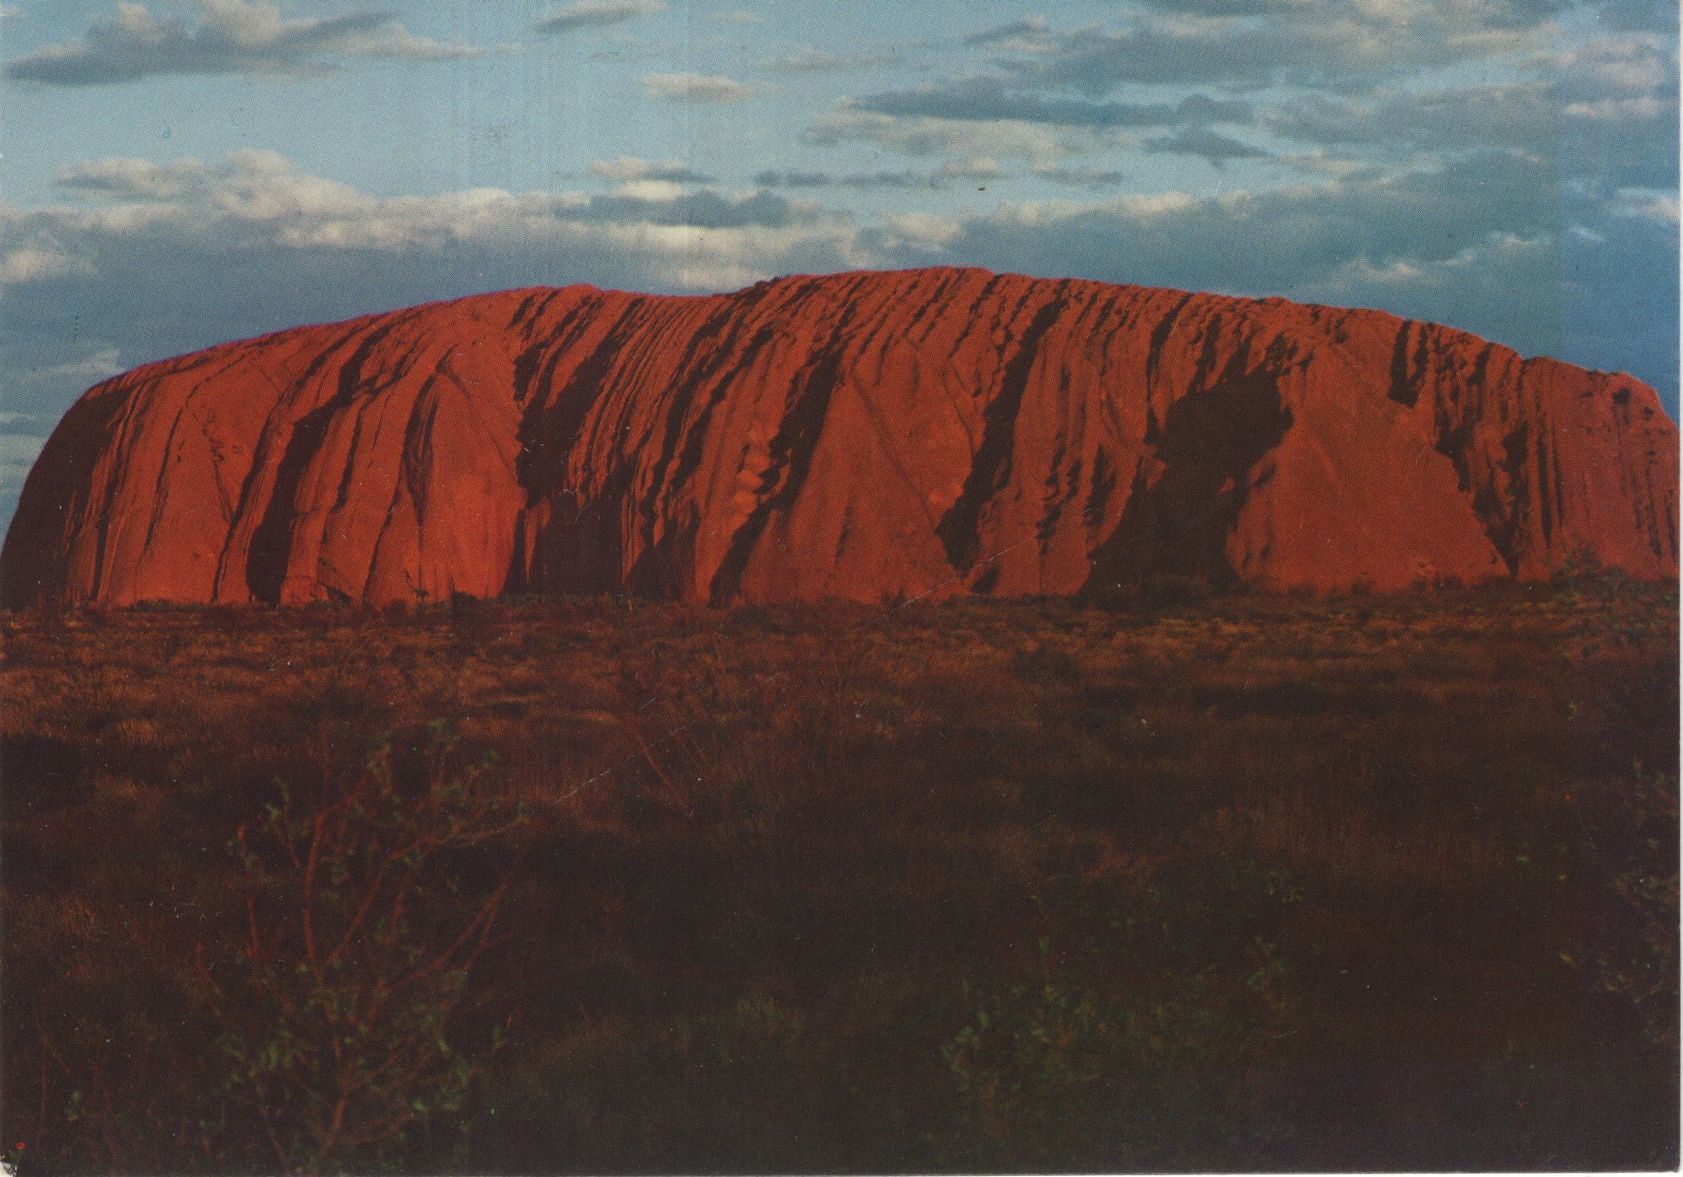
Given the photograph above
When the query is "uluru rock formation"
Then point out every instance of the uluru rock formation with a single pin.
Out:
(864, 435)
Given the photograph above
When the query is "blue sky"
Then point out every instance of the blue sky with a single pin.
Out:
(181, 172)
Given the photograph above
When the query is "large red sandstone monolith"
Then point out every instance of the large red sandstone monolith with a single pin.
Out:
(862, 435)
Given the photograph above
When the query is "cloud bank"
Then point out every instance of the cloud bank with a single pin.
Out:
(230, 37)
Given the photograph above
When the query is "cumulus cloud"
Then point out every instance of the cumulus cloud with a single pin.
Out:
(1520, 115)
(1244, 44)
(706, 89)
(28, 263)
(251, 243)
(259, 199)
(629, 169)
(1283, 240)
(230, 36)
(1629, 80)
(1605, 110)
(132, 178)
(1382, 13)
(282, 221)
(1621, 91)
(1660, 207)
(927, 236)
(1627, 63)
(586, 14)
(1327, 80)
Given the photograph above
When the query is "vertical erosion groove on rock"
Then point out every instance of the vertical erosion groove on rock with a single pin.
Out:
(869, 436)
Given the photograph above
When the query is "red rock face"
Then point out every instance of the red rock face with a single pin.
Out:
(865, 435)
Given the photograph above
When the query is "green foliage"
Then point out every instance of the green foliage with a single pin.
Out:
(1092, 1067)
(1027, 1065)
(361, 929)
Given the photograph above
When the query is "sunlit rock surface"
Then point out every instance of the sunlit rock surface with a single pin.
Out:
(863, 435)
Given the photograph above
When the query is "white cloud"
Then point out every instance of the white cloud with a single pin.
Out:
(251, 243)
(651, 190)
(1252, 43)
(1517, 115)
(19, 267)
(627, 169)
(708, 89)
(1629, 63)
(138, 179)
(231, 36)
(1279, 240)
(258, 200)
(920, 231)
(18, 452)
(1607, 110)
(91, 369)
(1660, 207)
(263, 186)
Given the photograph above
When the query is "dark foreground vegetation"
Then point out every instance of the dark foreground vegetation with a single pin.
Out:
(1362, 883)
